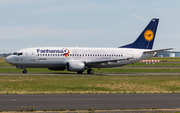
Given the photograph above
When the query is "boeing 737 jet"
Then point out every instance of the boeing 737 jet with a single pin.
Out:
(79, 59)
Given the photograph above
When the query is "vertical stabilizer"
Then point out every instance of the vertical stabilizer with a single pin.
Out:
(146, 38)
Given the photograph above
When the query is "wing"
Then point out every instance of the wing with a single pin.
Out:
(106, 61)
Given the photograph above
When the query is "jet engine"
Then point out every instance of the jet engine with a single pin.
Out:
(75, 66)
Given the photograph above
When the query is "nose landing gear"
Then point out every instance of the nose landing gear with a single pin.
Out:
(24, 71)
(90, 71)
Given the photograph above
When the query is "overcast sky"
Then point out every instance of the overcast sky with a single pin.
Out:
(86, 23)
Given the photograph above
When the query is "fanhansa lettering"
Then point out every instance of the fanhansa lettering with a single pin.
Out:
(50, 51)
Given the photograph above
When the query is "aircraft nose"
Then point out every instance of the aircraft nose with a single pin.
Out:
(9, 59)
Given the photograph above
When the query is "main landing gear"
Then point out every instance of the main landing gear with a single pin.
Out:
(24, 71)
(90, 71)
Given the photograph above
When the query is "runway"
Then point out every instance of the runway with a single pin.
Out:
(85, 74)
(119, 67)
(86, 101)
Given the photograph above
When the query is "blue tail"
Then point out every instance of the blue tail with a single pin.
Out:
(146, 38)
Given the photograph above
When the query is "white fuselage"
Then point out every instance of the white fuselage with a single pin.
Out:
(49, 57)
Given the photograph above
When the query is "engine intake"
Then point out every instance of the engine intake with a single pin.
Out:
(75, 66)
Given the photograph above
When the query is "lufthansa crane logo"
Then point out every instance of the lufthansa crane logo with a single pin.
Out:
(148, 35)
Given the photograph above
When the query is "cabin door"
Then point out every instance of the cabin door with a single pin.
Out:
(32, 55)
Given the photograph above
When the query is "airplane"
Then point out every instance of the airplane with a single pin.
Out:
(79, 59)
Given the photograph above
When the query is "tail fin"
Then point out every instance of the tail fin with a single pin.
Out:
(146, 38)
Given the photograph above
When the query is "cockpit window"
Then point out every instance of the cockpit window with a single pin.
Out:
(15, 53)
(20, 54)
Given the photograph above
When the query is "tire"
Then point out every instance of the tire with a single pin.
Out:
(90, 71)
(24, 71)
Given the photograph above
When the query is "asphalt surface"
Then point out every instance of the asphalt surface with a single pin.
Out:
(119, 67)
(86, 101)
(95, 74)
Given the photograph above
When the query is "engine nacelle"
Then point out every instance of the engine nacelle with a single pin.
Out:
(75, 66)
(57, 68)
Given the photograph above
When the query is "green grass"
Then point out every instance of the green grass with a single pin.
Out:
(40, 84)
(102, 70)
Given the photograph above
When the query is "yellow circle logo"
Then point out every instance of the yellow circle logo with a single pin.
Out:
(148, 35)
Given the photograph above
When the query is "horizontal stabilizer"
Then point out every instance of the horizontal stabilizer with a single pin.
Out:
(152, 51)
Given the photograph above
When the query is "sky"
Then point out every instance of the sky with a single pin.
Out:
(86, 23)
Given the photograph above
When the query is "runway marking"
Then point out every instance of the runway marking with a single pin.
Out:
(89, 99)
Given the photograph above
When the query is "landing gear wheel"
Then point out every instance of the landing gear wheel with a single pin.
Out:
(24, 71)
(90, 71)
(79, 72)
